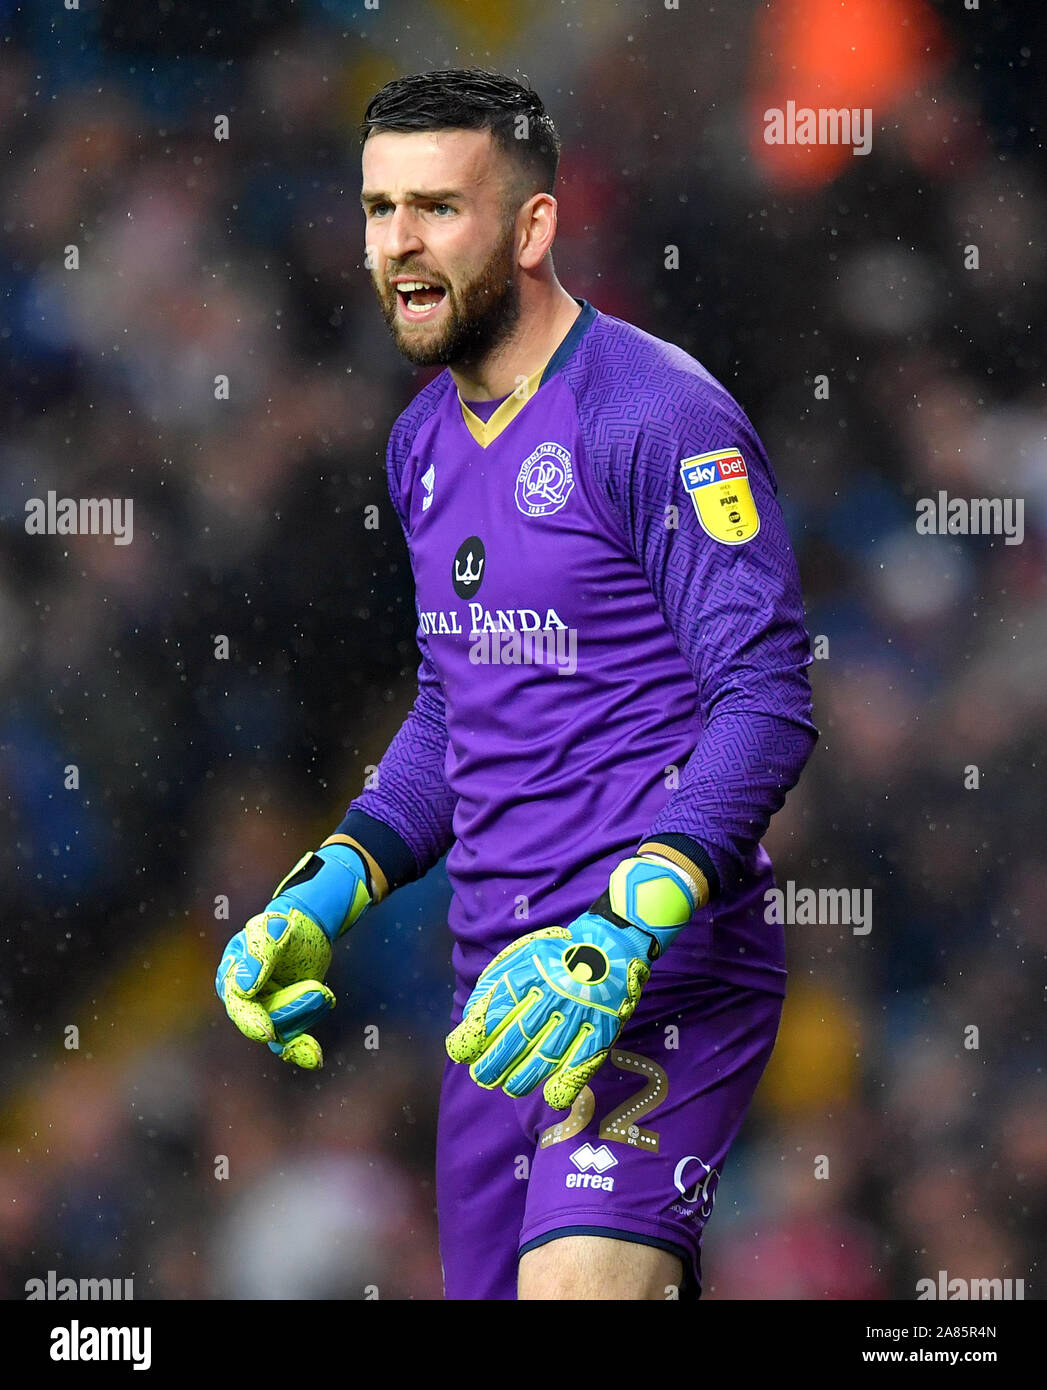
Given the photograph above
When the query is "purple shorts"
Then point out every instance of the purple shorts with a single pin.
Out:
(637, 1158)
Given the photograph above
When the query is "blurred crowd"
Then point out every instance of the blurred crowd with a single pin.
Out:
(139, 1135)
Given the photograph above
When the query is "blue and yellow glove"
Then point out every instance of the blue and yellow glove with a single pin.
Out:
(271, 978)
(549, 1007)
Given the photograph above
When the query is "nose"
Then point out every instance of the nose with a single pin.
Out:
(401, 235)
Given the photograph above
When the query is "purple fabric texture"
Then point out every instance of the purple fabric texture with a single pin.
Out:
(683, 705)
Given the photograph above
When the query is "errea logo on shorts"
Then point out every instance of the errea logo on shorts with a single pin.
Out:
(587, 1157)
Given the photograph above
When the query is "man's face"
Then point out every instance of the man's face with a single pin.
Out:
(435, 204)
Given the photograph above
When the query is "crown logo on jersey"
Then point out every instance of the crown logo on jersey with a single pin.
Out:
(468, 575)
(467, 570)
(544, 481)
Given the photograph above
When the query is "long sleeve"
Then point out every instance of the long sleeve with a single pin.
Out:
(404, 819)
(736, 613)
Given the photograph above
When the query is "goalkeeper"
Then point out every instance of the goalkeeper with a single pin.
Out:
(601, 793)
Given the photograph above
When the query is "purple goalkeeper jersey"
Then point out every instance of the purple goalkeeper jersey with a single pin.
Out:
(613, 650)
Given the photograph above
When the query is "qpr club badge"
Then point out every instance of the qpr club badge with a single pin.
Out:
(544, 481)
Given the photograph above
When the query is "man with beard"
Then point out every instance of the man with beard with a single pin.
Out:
(567, 483)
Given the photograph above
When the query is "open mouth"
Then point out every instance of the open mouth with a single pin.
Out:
(419, 298)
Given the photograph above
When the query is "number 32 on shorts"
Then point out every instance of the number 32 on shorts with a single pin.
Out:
(621, 1123)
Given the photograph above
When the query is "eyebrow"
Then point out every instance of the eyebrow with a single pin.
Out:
(414, 195)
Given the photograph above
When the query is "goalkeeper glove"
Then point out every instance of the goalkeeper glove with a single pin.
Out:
(551, 1005)
(271, 975)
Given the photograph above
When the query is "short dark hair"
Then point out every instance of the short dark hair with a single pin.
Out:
(473, 99)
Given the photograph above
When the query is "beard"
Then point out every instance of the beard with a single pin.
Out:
(480, 315)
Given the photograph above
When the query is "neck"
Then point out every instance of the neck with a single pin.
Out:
(547, 312)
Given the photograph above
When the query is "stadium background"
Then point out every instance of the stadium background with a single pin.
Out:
(201, 777)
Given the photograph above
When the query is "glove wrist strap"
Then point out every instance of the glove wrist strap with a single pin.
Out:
(332, 886)
(378, 883)
(650, 895)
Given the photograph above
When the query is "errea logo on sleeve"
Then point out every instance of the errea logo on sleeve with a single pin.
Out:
(718, 485)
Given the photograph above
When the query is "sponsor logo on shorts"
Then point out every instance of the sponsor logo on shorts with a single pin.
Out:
(599, 1159)
(696, 1183)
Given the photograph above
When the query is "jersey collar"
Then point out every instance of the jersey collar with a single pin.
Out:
(487, 431)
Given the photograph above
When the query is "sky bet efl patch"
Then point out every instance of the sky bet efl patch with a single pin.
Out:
(718, 485)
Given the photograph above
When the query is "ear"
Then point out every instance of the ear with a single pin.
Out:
(536, 224)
